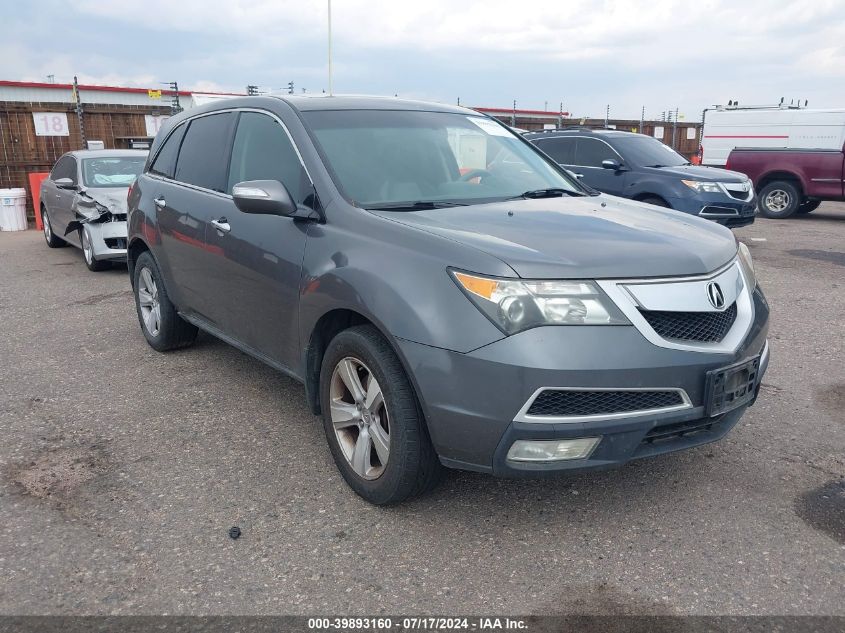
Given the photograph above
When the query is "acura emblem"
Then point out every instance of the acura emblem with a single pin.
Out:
(714, 293)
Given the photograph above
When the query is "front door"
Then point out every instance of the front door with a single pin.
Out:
(257, 259)
(589, 154)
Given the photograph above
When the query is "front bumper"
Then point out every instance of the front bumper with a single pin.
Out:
(108, 240)
(472, 401)
(719, 208)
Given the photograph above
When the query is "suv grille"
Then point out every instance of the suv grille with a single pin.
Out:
(739, 195)
(704, 327)
(551, 402)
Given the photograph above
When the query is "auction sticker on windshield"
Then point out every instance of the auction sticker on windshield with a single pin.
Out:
(491, 127)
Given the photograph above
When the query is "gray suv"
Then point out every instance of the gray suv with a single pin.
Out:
(447, 294)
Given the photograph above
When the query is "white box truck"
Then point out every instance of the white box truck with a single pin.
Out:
(777, 127)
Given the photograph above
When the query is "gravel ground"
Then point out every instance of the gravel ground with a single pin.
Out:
(122, 470)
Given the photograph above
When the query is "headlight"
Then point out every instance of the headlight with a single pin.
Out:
(702, 187)
(747, 264)
(516, 305)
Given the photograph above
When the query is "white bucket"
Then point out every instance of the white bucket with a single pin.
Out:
(12, 209)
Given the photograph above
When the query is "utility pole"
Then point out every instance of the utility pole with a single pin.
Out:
(175, 107)
(642, 121)
(675, 129)
(78, 101)
(513, 114)
(251, 90)
(459, 101)
(330, 48)
(607, 116)
(560, 116)
(290, 88)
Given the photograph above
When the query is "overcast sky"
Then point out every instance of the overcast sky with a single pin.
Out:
(586, 54)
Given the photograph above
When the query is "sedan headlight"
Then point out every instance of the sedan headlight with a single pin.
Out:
(515, 305)
(702, 187)
(746, 264)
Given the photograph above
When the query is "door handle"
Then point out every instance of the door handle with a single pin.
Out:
(160, 202)
(221, 225)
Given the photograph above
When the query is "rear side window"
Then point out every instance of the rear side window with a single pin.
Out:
(562, 150)
(203, 156)
(263, 151)
(591, 152)
(64, 168)
(165, 162)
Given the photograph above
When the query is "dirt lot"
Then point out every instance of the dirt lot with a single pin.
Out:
(121, 471)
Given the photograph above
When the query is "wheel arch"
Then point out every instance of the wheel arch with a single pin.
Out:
(133, 252)
(774, 176)
(641, 197)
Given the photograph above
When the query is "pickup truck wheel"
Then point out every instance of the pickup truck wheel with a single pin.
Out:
(779, 199)
(373, 423)
(810, 205)
(161, 324)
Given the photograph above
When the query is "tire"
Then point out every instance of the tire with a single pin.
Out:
(657, 202)
(171, 331)
(779, 199)
(809, 206)
(94, 265)
(53, 240)
(399, 460)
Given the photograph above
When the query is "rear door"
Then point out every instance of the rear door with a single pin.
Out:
(589, 154)
(256, 263)
(562, 151)
(189, 193)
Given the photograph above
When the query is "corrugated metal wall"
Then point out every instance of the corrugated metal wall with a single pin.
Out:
(23, 152)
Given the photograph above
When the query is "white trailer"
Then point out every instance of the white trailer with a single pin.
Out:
(726, 128)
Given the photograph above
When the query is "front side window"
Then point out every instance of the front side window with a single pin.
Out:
(202, 157)
(646, 151)
(165, 161)
(263, 151)
(385, 157)
(64, 168)
(591, 152)
(111, 172)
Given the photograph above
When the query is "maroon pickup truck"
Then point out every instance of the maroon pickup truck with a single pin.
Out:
(791, 181)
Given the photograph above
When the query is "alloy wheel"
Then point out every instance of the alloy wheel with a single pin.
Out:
(148, 302)
(360, 418)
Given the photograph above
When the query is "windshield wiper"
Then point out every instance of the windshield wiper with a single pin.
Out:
(553, 192)
(419, 205)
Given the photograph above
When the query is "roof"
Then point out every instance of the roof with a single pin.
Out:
(581, 131)
(108, 153)
(306, 103)
(509, 111)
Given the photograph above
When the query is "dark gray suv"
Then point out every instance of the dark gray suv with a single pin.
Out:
(447, 294)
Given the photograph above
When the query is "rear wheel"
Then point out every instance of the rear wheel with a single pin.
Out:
(779, 199)
(91, 261)
(161, 324)
(53, 240)
(809, 206)
(373, 423)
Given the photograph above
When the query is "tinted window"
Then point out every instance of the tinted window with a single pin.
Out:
(649, 152)
(64, 168)
(561, 149)
(203, 156)
(591, 152)
(165, 162)
(263, 151)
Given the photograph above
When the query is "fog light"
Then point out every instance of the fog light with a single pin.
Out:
(551, 450)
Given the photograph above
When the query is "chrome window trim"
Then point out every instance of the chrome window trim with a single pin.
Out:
(221, 111)
(522, 415)
(625, 301)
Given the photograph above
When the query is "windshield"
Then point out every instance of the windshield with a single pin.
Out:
(648, 152)
(111, 172)
(386, 158)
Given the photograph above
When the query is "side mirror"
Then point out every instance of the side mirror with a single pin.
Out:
(611, 163)
(65, 183)
(264, 197)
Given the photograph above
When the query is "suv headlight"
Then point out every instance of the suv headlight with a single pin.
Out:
(746, 264)
(702, 187)
(515, 305)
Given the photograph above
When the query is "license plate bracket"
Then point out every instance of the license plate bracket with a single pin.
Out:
(730, 387)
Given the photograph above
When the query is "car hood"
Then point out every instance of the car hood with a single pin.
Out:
(113, 198)
(586, 237)
(697, 172)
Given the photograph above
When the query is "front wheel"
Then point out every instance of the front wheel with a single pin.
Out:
(373, 423)
(91, 260)
(779, 200)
